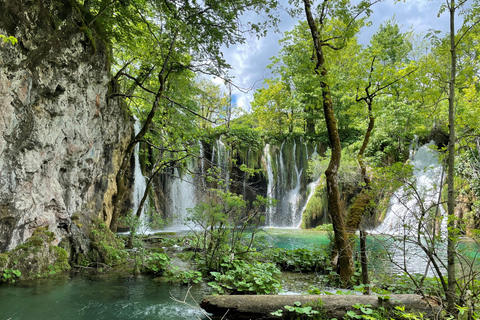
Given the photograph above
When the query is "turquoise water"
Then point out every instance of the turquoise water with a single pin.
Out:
(296, 238)
(80, 297)
(76, 296)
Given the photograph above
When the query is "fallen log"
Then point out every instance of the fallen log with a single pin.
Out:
(334, 306)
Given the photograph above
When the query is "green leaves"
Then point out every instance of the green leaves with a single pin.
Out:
(246, 278)
(10, 275)
(10, 39)
(156, 263)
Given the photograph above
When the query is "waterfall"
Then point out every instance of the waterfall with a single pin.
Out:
(202, 164)
(284, 178)
(286, 187)
(223, 156)
(292, 200)
(139, 184)
(406, 205)
(312, 186)
(181, 197)
(271, 209)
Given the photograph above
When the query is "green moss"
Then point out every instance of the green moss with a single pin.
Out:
(36, 257)
(313, 214)
(107, 248)
(359, 207)
(3, 261)
(61, 263)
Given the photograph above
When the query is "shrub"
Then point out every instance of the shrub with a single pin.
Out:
(298, 260)
(156, 263)
(240, 277)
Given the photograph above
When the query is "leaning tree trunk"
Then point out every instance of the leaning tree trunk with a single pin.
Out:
(342, 243)
(121, 174)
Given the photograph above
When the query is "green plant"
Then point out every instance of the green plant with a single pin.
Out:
(402, 314)
(221, 224)
(365, 311)
(156, 263)
(186, 277)
(240, 276)
(10, 275)
(324, 227)
(298, 312)
(107, 248)
(298, 260)
(10, 39)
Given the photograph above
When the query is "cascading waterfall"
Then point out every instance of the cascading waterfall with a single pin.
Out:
(245, 175)
(202, 163)
(286, 186)
(222, 161)
(405, 208)
(285, 183)
(181, 196)
(312, 186)
(292, 200)
(139, 184)
(271, 209)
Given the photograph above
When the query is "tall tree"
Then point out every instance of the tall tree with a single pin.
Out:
(350, 24)
(452, 236)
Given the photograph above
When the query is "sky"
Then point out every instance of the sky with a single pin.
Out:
(249, 60)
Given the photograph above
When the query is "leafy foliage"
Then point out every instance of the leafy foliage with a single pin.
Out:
(222, 223)
(156, 263)
(241, 277)
(298, 260)
(107, 248)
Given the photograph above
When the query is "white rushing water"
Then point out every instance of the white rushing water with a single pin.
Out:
(286, 186)
(270, 185)
(181, 197)
(139, 185)
(293, 197)
(222, 161)
(408, 204)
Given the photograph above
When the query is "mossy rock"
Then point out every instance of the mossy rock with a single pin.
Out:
(106, 247)
(36, 257)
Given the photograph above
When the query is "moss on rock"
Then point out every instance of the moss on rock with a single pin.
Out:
(106, 247)
(36, 257)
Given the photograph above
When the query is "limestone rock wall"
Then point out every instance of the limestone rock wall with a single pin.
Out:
(61, 136)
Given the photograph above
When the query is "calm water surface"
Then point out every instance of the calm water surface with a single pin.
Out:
(82, 297)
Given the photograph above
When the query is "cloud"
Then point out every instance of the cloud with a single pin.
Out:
(249, 60)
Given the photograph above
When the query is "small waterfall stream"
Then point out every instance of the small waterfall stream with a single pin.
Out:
(222, 161)
(288, 185)
(406, 205)
(181, 197)
(270, 194)
(139, 184)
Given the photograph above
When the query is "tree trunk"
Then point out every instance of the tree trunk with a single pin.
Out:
(309, 122)
(364, 262)
(342, 243)
(452, 235)
(120, 178)
(366, 139)
(334, 306)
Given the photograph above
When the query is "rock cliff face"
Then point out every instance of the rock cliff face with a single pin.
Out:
(61, 136)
